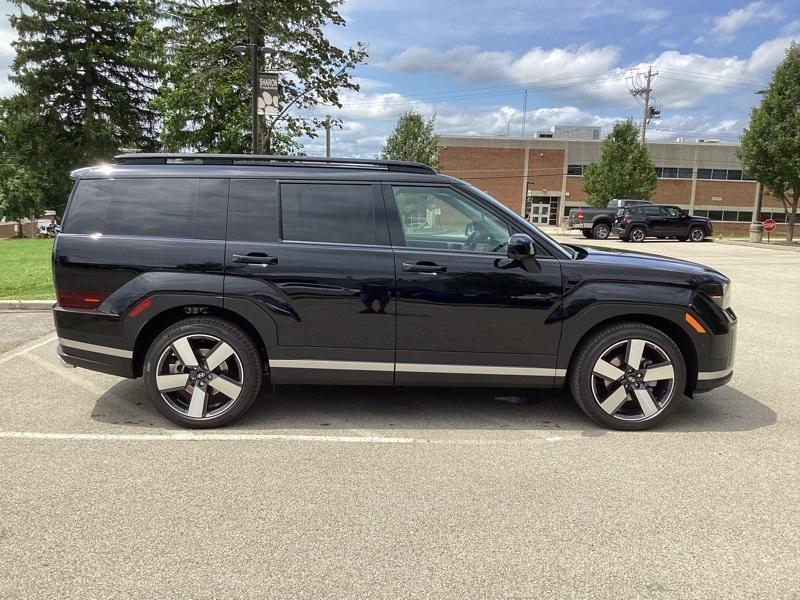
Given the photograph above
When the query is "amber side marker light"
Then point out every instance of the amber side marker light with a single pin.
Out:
(694, 323)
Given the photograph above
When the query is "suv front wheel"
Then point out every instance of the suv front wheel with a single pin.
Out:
(202, 372)
(628, 376)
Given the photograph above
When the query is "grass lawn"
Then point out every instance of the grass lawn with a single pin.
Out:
(25, 272)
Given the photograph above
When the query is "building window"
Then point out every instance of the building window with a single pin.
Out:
(659, 171)
(684, 173)
(715, 215)
(734, 175)
(701, 213)
(747, 177)
(704, 173)
(719, 174)
(745, 216)
(670, 172)
(574, 169)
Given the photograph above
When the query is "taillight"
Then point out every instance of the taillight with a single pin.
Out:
(580, 215)
(80, 298)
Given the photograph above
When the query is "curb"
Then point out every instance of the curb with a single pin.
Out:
(27, 304)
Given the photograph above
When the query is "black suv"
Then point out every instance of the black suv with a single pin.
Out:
(635, 223)
(210, 274)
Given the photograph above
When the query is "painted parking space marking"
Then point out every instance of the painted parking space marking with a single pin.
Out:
(27, 348)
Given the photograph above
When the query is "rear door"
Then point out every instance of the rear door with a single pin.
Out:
(315, 256)
(653, 217)
(676, 222)
(465, 313)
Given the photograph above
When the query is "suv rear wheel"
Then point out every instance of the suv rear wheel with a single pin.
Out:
(601, 231)
(587, 233)
(628, 376)
(202, 372)
(637, 234)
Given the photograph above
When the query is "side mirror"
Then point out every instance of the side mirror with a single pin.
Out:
(520, 246)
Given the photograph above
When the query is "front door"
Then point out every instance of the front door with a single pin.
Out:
(465, 313)
(315, 256)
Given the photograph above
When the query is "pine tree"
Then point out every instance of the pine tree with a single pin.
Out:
(93, 64)
(413, 139)
(625, 169)
(205, 101)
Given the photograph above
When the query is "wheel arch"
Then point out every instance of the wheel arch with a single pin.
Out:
(159, 321)
(660, 322)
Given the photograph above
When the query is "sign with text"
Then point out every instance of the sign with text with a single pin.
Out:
(268, 94)
(769, 225)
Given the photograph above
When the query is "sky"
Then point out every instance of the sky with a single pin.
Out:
(469, 63)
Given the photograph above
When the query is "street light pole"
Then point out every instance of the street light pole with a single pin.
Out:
(254, 99)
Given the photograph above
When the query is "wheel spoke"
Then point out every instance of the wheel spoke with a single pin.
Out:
(197, 405)
(219, 354)
(184, 351)
(614, 401)
(633, 355)
(659, 373)
(171, 383)
(606, 370)
(227, 386)
(646, 401)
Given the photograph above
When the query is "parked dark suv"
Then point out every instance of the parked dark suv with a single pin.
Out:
(635, 223)
(210, 274)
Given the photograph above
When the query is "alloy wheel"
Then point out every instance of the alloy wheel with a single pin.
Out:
(601, 232)
(199, 376)
(633, 380)
(697, 234)
(638, 235)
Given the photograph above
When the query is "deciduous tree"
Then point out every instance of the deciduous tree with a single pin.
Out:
(413, 139)
(770, 149)
(624, 170)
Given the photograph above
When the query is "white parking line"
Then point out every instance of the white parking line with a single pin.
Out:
(188, 436)
(12, 354)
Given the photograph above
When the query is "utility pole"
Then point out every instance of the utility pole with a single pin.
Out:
(637, 88)
(524, 111)
(328, 136)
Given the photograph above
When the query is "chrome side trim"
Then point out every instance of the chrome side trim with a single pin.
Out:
(108, 351)
(705, 375)
(345, 365)
(338, 365)
(475, 370)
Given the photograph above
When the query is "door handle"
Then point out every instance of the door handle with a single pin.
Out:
(424, 267)
(255, 258)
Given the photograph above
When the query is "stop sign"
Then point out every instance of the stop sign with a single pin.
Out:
(769, 225)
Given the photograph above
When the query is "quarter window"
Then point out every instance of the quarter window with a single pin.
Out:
(441, 218)
(328, 212)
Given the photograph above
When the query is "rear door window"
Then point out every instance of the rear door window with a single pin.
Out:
(652, 211)
(329, 213)
(88, 207)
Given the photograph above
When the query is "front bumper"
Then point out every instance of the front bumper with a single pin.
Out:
(711, 380)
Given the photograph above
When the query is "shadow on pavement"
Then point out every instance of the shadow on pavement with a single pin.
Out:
(377, 408)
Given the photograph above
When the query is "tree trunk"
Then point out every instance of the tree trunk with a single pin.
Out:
(19, 229)
(792, 219)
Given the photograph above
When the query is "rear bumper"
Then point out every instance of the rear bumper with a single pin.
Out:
(579, 225)
(92, 340)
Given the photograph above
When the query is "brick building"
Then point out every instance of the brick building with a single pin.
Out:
(542, 176)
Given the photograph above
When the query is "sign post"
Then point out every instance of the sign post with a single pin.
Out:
(769, 227)
(268, 94)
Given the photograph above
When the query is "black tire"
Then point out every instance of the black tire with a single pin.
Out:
(587, 233)
(697, 234)
(243, 368)
(637, 234)
(586, 385)
(601, 231)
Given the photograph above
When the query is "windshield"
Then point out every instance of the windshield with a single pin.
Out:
(552, 244)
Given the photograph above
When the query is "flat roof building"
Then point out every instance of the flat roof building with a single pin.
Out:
(542, 176)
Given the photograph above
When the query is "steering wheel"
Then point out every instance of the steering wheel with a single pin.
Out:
(476, 233)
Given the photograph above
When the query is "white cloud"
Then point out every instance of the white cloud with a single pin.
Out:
(649, 14)
(468, 64)
(736, 18)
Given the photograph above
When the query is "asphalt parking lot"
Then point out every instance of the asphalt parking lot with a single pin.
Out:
(374, 493)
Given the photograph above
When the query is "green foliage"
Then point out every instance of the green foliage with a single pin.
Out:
(624, 170)
(413, 139)
(770, 149)
(86, 70)
(205, 99)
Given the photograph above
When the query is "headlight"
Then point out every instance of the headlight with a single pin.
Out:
(720, 293)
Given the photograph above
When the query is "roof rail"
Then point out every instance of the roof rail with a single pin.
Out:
(145, 158)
